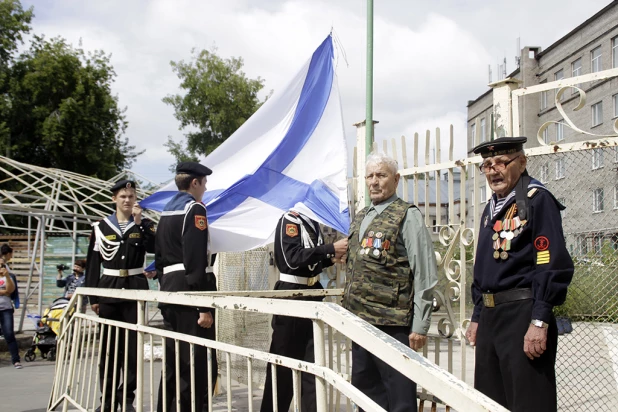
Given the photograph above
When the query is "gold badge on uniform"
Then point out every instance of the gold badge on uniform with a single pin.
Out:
(291, 230)
(542, 258)
(110, 237)
(200, 222)
(135, 235)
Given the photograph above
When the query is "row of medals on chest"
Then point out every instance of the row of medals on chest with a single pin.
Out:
(374, 244)
(506, 230)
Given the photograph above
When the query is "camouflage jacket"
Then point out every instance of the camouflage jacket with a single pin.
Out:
(379, 288)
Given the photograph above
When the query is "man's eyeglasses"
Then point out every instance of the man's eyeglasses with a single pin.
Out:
(498, 166)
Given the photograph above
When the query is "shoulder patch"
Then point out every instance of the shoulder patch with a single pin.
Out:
(291, 230)
(200, 222)
(541, 243)
(532, 192)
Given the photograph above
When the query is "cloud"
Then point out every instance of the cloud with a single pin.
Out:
(428, 63)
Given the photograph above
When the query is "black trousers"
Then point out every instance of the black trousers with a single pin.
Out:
(183, 319)
(383, 384)
(502, 370)
(292, 337)
(123, 312)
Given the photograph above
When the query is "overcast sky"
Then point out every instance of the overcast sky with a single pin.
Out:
(431, 57)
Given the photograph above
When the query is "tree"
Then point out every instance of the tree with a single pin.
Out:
(218, 99)
(14, 23)
(62, 112)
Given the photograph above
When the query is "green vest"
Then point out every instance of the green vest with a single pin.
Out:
(379, 285)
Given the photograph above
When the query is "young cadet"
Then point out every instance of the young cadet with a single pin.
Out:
(119, 244)
(182, 262)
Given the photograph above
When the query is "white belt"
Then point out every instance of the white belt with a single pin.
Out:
(299, 279)
(123, 273)
(180, 266)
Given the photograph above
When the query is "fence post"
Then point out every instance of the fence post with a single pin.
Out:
(506, 115)
(139, 395)
(320, 360)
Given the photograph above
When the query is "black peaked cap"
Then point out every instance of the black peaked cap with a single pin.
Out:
(123, 184)
(500, 146)
(193, 168)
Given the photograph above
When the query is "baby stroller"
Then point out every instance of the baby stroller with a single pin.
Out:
(47, 330)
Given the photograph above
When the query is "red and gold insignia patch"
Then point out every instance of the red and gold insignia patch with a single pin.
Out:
(200, 222)
(291, 230)
(541, 243)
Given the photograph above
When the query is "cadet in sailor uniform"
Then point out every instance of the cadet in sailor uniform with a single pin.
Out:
(182, 262)
(119, 243)
(522, 271)
(300, 256)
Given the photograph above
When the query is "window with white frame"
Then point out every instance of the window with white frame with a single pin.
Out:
(576, 70)
(562, 201)
(581, 245)
(435, 227)
(483, 130)
(616, 197)
(615, 100)
(544, 97)
(615, 52)
(483, 194)
(559, 75)
(597, 200)
(597, 113)
(560, 130)
(473, 132)
(560, 171)
(597, 158)
(546, 136)
(544, 173)
(595, 60)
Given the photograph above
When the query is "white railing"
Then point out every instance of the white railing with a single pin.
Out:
(81, 348)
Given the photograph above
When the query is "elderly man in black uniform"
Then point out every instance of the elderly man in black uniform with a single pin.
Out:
(182, 262)
(300, 256)
(119, 243)
(522, 270)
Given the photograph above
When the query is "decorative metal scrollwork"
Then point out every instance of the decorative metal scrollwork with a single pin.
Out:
(569, 123)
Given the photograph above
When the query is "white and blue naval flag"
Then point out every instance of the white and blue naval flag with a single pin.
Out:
(290, 154)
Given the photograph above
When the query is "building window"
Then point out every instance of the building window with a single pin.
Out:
(435, 227)
(483, 194)
(597, 114)
(615, 52)
(576, 69)
(597, 158)
(546, 136)
(615, 99)
(473, 132)
(582, 248)
(559, 75)
(597, 200)
(483, 130)
(560, 169)
(544, 97)
(595, 59)
(560, 130)
(544, 173)
(562, 201)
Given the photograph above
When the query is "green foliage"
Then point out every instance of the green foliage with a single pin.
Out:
(62, 112)
(593, 293)
(218, 98)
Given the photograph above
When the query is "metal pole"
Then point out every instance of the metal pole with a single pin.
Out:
(41, 267)
(369, 90)
(320, 360)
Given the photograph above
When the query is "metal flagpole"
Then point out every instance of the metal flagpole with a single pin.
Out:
(369, 90)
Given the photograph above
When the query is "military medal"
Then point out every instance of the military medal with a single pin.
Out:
(505, 231)
(379, 235)
(376, 252)
(370, 234)
(377, 243)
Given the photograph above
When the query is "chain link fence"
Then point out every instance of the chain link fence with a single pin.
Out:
(587, 364)
(243, 271)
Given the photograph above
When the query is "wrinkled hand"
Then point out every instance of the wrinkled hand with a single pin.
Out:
(471, 333)
(137, 214)
(95, 308)
(205, 320)
(150, 274)
(535, 342)
(417, 341)
(341, 248)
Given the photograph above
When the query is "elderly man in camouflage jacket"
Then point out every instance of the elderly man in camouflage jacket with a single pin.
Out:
(391, 276)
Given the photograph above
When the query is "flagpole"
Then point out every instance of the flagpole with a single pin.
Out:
(369, 89)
